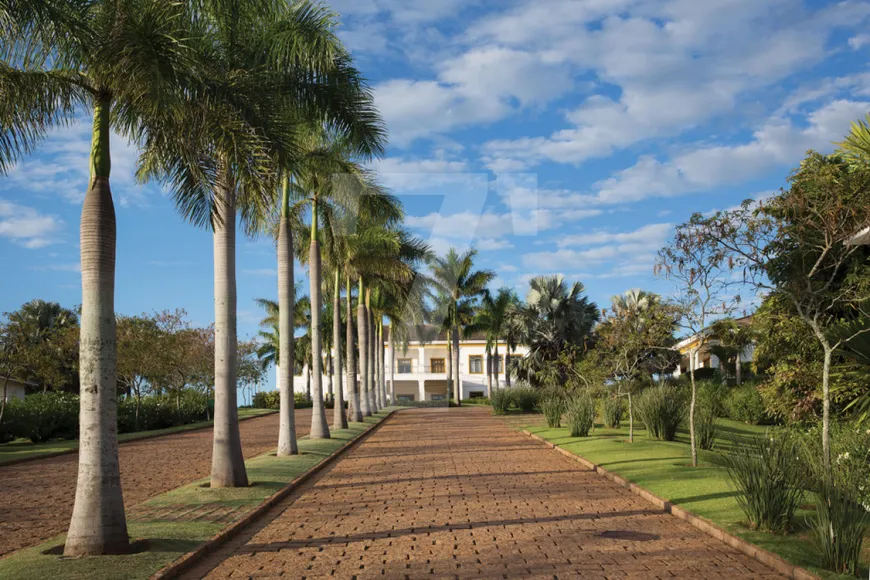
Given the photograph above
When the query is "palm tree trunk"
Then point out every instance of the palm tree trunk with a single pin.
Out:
(377, 366)
(738, 371)
(449, 365)
(370, 351)
(457, 386)
(99, 524)
(692, 411)
(383, 358)
(350, 363)
(392, 366)
(507, 370)
(319, 429)
(228, 463)
(363, 332)
(497, 365)
(339, 417)
(489, 363)
(286, 299)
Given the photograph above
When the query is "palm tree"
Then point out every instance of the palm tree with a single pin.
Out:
(455, 276)
(734, 338)
(556, 317)
(325, 158)
(122, 60)
(491, 318)
(280, 66)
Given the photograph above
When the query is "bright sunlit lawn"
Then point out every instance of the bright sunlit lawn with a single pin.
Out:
(664, 469)
(24, 448)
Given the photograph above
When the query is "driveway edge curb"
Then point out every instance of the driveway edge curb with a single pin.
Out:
(187, 561)
(777, 563)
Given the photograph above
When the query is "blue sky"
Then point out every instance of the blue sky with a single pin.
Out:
(556, 136)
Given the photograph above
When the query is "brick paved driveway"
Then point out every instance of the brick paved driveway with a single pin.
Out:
(457, 494)
(38, 495)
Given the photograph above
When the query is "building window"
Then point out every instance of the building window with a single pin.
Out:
(475, 364)
(436, 365)
(403, 366)
(476, 394)
(405, 398)
(495, 364)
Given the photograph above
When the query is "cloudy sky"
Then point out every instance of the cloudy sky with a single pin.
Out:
(555, 136)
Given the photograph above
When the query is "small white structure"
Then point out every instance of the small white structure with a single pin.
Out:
(14, 389)
(420, 371)
(704, 358)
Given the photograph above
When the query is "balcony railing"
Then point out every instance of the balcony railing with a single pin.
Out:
(414, 367)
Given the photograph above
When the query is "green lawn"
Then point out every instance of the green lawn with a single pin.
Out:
(161, 527)
(23, 448)
(664, 469)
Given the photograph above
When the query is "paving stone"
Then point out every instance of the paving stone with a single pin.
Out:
(458, 494)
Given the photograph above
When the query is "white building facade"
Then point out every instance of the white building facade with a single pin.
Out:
(420, 370)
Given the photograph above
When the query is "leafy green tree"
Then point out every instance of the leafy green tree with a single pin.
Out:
(699, 269)
(796, 245)
(637, 327)
(139, 352)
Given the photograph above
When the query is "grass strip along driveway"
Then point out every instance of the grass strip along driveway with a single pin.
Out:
(664, 468)
(18, 450)
(171, 524)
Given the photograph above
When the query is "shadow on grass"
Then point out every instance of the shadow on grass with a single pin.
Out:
(709, 496)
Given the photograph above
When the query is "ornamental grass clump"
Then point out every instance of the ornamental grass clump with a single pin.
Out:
(581, 415)
(661, 409)
(525, 398)
(553, 406)
(501, 401)
(841, 518)
(614, 411)
(769, 477)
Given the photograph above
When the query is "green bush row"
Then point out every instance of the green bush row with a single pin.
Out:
(45, 416)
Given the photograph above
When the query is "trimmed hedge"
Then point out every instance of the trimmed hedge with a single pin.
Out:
(45, 416)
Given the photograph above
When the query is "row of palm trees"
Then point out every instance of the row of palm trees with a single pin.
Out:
(245, 111)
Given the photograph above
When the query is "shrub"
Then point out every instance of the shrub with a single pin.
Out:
(614, 411)
(841, 493)
(705, 424)
(300, 401)
(661, 409)
(552, 407)
(42, 416)
(581, 415)
(525, 398)
(501, 401)
(838, 526)
(769, 478)
(266, 400)
(744, 403)
(477, 400)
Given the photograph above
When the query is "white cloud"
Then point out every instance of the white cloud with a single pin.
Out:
(620, 253)
(649, 235)
(61, 167)
(27, 227)
(676, 63)
(779, 142)
(859, 41)
(482, 85)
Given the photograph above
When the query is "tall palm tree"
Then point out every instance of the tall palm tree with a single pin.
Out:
(491, 318)
(455, 275)
(121, 60)
(282, 66)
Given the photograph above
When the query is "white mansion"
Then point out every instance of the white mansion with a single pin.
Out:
(420, 371)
